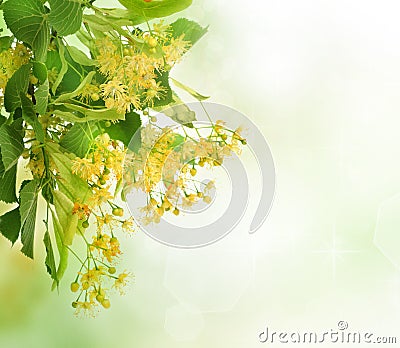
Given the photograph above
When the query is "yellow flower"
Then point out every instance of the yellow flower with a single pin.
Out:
(113, 249)
(154, 92)
(127, 225)
(121, 282)
(85, 168)
(91, 278)
(113, 89)
(161, 29)
(109, 64)
(21, 55)
(100, 242)
(82, 210)
(85, 309)
(175, 49)
(101, 195)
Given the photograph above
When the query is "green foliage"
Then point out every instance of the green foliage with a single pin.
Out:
(70, 184)
(64, 67)
(178, 111)
(40, 71)
(155, 9)
(98, 24)
(47, 190)
(79, 138)
(166, 97)
(77, 113)
(68, 220)
(11, 146)
(190, 90)
(27, 21)
(53, 61)
(70, 72)
(30, 21)
(79, 57)
(125, 130)
(17, 84)
(59, 99)
(65, 16)
(42, 98)
(191, 30)
(29, 115)
(124, 17)
(10, 225)
(50, 261)
(28, 207)
(8, 184)
(5, 43)
(62, 249)
(65, 96)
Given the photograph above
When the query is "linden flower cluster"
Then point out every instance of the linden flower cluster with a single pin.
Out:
(10, 61)
(102, 169)
(62, 106)
(166, 166)
(133, 70)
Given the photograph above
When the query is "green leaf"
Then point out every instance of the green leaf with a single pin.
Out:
(28, 207)
(18, 83)
(10, 225)
(124, 17)
(17, 124)
(40, 71)
(62, 249)
(192, 30)
(65, 16)
(7, 184)
(125, 130)
(69, 116)
(2, 120)
(178, 111)
(98, 24)
(166, 98)
(53, 60)
(86, 40)
(5, 43)
(77, 113)
(155, 8)
(50, 262)
(42, 98)
(178, 140)
(78, 90)
(70, 184)
(71, 71)
(47, 191)
(69, 221)
(79, 57)
(27, 21)
(79, 138)
(64, 66)
(12, 146)
(191, 91)
(29, 115)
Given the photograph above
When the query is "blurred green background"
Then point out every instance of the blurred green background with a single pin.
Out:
(322, 81)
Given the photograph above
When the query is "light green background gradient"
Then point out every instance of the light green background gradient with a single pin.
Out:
(322, 81)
